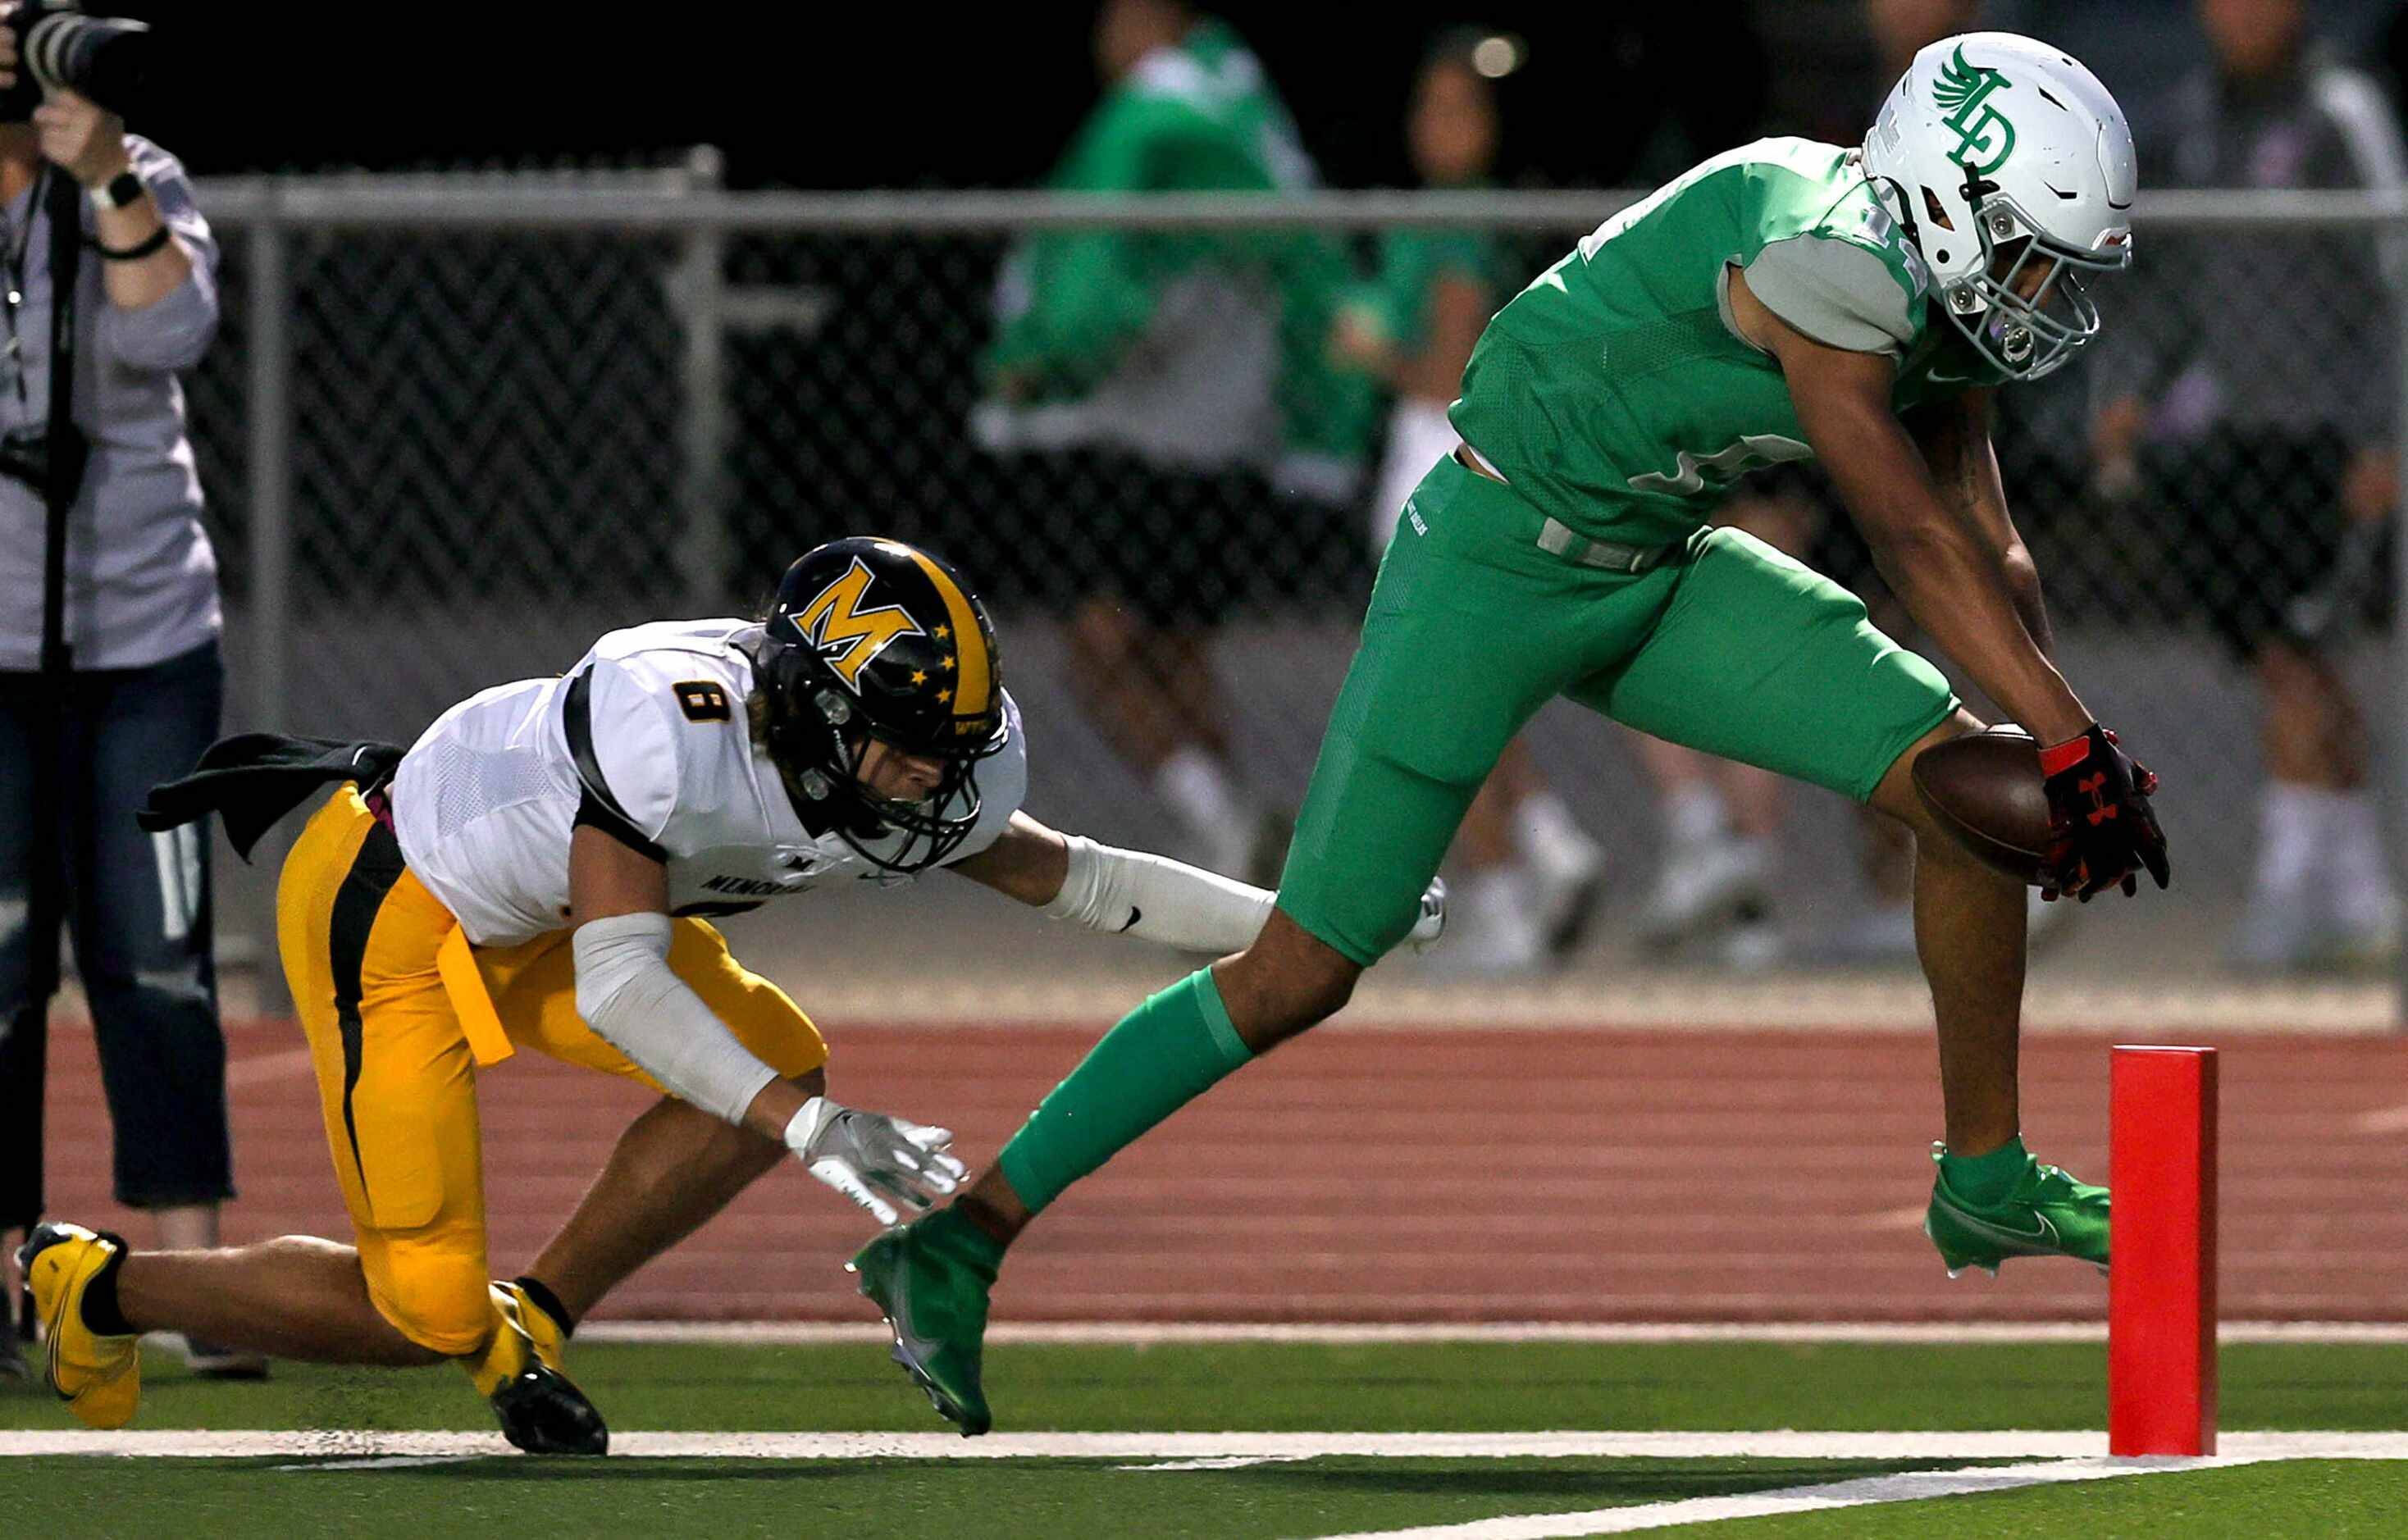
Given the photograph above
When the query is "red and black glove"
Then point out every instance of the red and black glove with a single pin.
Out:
(2102, 829)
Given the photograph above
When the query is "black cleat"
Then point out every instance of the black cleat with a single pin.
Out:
(542, 1412)
(539, 1407)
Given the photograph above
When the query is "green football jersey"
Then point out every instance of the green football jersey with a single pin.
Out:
(1613, 394)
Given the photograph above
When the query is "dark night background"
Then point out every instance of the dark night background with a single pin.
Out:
(836, 95)
(859, 96)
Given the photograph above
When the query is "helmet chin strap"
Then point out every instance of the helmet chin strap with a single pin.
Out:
(1974, 191)
(1905, 210)
(1973, 188)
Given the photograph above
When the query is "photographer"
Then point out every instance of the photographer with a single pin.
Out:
(110, 670)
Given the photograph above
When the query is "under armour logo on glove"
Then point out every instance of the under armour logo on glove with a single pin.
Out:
(2091, 774)
(2094, 787)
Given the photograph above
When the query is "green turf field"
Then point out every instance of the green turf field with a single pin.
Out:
(1185, 1468)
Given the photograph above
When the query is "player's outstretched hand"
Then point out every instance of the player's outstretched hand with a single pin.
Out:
(2102, 830)
(875, 1160)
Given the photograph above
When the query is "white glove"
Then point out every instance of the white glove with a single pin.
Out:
(865, 1154)
(1432, 924)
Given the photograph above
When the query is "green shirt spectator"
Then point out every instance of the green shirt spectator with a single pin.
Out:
(1195, 348)
(1397, 300)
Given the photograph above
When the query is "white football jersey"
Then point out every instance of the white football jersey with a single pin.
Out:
(484, 803)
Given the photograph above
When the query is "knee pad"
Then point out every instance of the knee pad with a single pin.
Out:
(438, 1300)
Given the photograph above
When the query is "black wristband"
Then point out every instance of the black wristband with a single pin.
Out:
(136, 252)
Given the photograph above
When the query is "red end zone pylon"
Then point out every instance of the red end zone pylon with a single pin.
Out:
(2161, 1288)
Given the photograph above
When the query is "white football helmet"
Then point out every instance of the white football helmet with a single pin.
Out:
(1991, 139)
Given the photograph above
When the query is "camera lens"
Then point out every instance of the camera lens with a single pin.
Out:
(105, 59)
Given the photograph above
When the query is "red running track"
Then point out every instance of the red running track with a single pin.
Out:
(1366, 1174)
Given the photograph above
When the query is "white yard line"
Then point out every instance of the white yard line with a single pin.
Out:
(387, 1462)
(1909, 1487)
(1147, 1334)
(1219, 1463)
(350, 1445)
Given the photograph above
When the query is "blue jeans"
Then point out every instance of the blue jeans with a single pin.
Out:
(138, 906)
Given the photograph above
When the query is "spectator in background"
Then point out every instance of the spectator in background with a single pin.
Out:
(1533, 873)
(132, 697)
(1187, 370)
(2250, 412)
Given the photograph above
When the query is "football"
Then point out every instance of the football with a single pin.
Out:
(1985, 788)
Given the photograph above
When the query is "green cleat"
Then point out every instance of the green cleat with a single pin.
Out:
(930, 1279)
(2048, 1214)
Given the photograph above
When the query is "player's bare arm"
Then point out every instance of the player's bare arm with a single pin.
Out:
(1028, 861)
(1949, 578)
(1955, 437)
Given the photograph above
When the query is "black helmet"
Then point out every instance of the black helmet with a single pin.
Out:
(872, 638)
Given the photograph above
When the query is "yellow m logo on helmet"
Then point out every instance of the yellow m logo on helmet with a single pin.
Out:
(835, 620)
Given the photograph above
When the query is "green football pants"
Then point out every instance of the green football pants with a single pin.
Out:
(1731, 648)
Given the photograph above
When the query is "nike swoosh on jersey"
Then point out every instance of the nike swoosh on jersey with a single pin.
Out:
(1136, 913)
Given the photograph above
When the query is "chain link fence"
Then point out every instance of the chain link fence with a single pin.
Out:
(453, 430)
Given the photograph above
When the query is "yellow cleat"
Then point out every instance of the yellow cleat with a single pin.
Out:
(99, 1377)
(522, 1373)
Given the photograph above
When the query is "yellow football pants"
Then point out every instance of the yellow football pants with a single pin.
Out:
(391, 998)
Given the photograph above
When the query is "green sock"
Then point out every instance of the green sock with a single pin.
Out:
(950, 1230)
(1161, 1056)
(1987, 1179)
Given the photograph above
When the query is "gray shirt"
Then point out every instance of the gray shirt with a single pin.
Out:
(1195, 392)
(141, 578)
(2260, 329)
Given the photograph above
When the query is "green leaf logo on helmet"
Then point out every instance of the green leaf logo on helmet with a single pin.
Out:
(1985, 137)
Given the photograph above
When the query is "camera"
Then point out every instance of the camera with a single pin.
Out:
(104, 59)
(26, 456)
